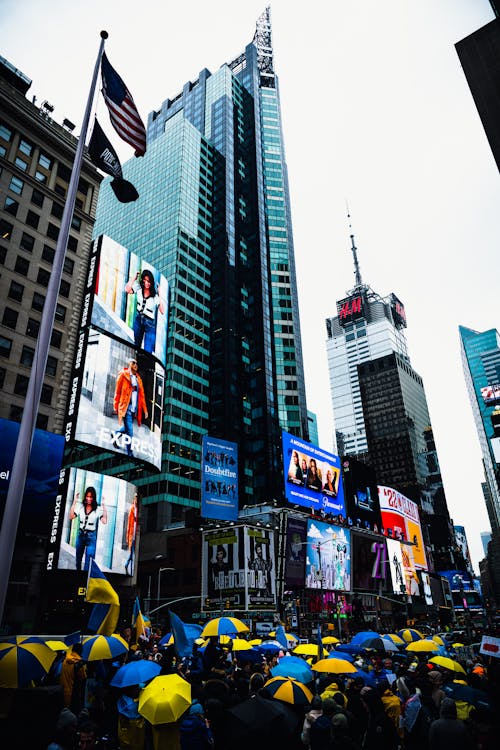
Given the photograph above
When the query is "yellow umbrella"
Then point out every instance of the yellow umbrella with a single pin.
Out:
(458, 645)
(438, 640)
(330, 639)
(334, 666)
(57, 645)
(224, 626)
(255, 642)
(289, 690)
(239, 644)
(165, 699)
(395, 639)
(22, 659)
(288, 636)
(447, 663)
(308, 649)
(423, 646)
(410, 634)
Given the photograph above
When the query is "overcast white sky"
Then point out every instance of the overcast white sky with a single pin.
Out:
(377, 111)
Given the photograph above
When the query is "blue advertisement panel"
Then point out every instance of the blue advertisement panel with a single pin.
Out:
(328, 561)
(458, 579)
(41, 481)
(312, 476)
(219, 479)
(96, 516)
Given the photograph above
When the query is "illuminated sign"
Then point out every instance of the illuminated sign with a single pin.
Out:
(312, 477)
(361, 494)
(369, 564)
(398, 312)
(328, 561)
(350, 308)
(219, 479)
(491, 394)
(401, 520)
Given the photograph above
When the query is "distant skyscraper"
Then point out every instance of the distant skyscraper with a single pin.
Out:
(485, 540)
(312, 421)
(481, 365)
(214, 217)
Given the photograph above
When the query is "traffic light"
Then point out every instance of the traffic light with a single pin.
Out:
(207, 602)
(228, 604)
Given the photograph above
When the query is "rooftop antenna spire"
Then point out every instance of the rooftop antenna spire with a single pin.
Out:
(357, 272)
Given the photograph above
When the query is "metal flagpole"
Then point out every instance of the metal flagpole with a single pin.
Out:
(27, 428)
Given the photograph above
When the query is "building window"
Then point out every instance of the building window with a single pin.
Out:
(55, 339)
(10, 206)
(32, 328)
(52, 231)
(69, 266)
(5, 132)
(21, 164)
(27, 355)
(22, 266)
(57, 210)
(37, 197)
(32, 219)
(16, 185)
(64, 289)
(10, 317)
(40, 176)
(45, 161)
(16, 291)
(76, 223)
(60, 189)
(60, 313)
(21, 385)
(46, 394)
(42, 421)
(38, 302)
(5, 347)
(5, 229)
(25, 147)
(43, 277)
(2, 376)
(51, 368)
(72, 244)
(27, 242)
(48, 253)
(16, 413)
(3, 254)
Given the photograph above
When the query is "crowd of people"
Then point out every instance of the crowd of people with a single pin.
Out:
(397, 701)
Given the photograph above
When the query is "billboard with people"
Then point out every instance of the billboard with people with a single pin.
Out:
(312, 477)
(96, 517)
(219, 479)
(328, 561)
(118, 383)
(401, 520)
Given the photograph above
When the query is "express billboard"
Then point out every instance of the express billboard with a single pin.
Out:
(118, 382)
(96, 517)
(42, 479)
(312, 476)
(219, 479)
(328, 561)
(401, 520)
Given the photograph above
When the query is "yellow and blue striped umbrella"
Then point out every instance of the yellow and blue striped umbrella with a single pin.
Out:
(22, 659)
(395, 639)
(288, 690)
(438, 640)
(98, 647)
(410, 634)
(224, 626)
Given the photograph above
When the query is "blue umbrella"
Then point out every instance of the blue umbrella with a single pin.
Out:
(349, 648)
(477, 698)
(269, 647)
(293, 666)
(368, 677)
(364, 635)
(252, 656)
(342, 655)
(135, 673)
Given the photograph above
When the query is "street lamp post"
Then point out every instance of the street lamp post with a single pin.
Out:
(160, 571)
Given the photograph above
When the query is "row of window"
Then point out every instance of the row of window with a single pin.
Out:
(9, 320)
(27, 356)
(28, 241)
(16, 413)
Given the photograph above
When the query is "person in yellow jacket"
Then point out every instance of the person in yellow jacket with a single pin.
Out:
(463, 708)
(392, 705)
(72, 679)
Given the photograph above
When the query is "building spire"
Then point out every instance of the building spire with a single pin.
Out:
(357, 272)
(264, 44)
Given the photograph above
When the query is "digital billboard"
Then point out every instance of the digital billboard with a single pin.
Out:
(396, 566)
(491, 394)
(427, 588)
(261, 580)
(118, 382)
(96, 516)
(42, 479)
(219, 479)
(360, 494)
(409, 570)
(398, 311)
(296, 540)
(350, 308)
(458, 579)
(312, 476)
(328, 561)
(401, 520)
(461, 538)
(369, 564)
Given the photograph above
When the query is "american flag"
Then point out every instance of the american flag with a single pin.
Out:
(122, 111)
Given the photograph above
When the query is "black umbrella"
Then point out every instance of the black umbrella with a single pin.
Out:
(260, 723)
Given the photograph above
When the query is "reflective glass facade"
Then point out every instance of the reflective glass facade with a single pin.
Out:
(214, 217)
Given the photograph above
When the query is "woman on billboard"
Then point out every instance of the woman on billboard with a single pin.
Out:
(89, 513)
(148, 303)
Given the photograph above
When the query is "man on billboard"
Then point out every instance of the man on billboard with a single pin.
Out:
(262, 570)
(129, 402)
(148, 302)
(219, 569)
(131, 535)
(89, 514)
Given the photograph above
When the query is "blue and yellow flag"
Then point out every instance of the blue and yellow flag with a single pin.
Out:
(104, 619)
(99, 589)
(138, 620)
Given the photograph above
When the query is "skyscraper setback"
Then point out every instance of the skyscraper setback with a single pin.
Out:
(214, 217)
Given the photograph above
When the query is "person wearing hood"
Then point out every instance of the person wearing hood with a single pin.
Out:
(392, 704)
(65, 731)
(72, 679)
(314, 713)
(195, 729)
(448, 731)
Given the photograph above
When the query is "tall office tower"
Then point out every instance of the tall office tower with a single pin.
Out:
(367, 326)
(485, 540)
(36, 156)
(481, 365)
(214, 217)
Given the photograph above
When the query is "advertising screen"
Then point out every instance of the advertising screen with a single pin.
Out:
(409, 570)
(312, 476)
(328, 561)
(458, 579)
(259, 552)
(42, 480)
(219, 479)
(427, 588)
(396, 566)
(461, 537)
(223, 569)
(361, 494)
(96, 516)
(369, 569)
(401, 520)
(296, 538)
(491, 394)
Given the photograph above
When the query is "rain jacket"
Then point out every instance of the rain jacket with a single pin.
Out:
(463, 708)
(123, 392)
(392, 707)
(72, 671)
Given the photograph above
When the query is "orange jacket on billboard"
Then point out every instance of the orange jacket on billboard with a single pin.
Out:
(123, 394)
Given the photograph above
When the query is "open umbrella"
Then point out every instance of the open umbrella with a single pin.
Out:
(57, 645)
(336, 654)
(423, 646)
(98, 647)
(459, 692)
(288, 636)
(258, 722)
(255, 641)
(409, 635)
(395, 639)
(224, 626)
(270, 647)
(135, 673)
(22, 659)
(438, 640)
(308, 649)
(239, 644)
(362, 636)
(329, 639)
(446, 663)
(334, 666)
(368, 677)
(380, 644)
(288, 690)
(165, 699)
(294, 667)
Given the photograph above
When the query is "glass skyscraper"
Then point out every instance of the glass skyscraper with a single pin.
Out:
(214, 217)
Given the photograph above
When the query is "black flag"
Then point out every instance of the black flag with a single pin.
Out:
(104, 157)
